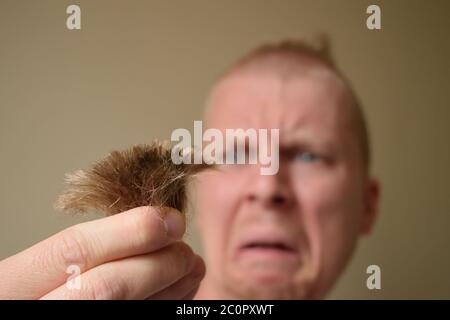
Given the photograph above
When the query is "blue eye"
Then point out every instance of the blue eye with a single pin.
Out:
(306, 157)
(231, 157)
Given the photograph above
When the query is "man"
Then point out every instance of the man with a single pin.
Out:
(287, 235)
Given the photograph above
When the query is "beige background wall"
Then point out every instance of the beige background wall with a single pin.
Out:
(139, 69)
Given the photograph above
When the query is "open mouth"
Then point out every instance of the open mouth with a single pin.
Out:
(268, 253)
(276, 246)
(268, 247)
(275, 250)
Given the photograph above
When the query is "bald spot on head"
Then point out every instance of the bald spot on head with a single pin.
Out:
(296, 59)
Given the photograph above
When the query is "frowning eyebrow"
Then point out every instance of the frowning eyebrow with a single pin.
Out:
(292, 147)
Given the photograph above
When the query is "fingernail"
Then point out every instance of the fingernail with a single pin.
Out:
(174, 223)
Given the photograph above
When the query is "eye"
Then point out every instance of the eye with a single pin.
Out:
(230, 157)
(307, 157)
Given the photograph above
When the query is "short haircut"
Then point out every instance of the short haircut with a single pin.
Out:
(287, 54)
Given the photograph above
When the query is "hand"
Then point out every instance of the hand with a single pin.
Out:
(132, 255)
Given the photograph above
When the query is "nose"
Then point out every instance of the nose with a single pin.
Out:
(270, 191)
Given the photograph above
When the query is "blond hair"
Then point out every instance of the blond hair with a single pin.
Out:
(291, 57)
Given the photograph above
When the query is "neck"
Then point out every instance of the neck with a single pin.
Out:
(209, 290)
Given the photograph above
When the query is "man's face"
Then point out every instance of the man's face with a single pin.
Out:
(287, 235)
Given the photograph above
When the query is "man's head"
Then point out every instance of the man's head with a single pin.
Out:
(291, 234)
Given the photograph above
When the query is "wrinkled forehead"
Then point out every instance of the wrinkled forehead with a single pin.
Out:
(317, 102)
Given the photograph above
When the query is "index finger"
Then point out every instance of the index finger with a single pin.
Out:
(44, 266)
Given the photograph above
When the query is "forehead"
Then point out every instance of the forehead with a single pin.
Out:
(315, 104)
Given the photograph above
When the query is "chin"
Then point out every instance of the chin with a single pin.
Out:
(268, 285)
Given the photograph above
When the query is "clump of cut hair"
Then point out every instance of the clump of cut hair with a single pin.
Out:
(140, 176)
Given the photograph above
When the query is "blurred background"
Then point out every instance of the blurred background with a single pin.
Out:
(139, 69)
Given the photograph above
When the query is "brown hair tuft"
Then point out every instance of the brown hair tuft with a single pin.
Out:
(140, 176)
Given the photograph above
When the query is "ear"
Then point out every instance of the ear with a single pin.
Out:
(371, 204)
